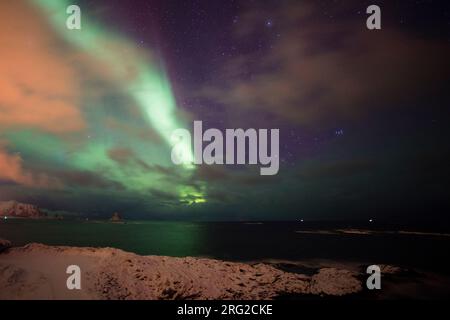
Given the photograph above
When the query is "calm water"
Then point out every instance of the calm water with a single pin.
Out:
(237, 241)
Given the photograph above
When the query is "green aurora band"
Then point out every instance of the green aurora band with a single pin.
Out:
(135, 74)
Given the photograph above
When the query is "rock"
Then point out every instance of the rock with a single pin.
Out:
(388, 269)
(20, 210)
(4, 244)
(115, 217)
(336, 282)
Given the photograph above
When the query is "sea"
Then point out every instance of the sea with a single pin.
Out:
(424, 246)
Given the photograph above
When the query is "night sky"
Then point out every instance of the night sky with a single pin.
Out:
(86, 115)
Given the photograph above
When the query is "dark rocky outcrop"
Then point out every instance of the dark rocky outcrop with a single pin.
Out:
(116, 218)
(4, 244)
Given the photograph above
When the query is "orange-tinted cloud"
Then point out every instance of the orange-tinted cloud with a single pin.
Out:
(38, 85)
(12, 170)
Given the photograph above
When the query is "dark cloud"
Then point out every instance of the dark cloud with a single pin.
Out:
(246, 176)
(127, 157)
(317, 70)
(83, 179)
(338, 169)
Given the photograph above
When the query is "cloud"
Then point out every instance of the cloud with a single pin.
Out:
(38, 85)
(132, 130)
(124, 156)
(309, 69)
(121, 155)
(12, 170)
(83, 179)
(338, 169)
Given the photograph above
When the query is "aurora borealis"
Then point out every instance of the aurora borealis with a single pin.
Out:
(86, 116)
(140, 81)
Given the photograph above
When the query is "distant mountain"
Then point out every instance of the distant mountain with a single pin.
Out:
(20, 210)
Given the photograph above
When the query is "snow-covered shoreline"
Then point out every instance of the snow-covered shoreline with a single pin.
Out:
(37, 271)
